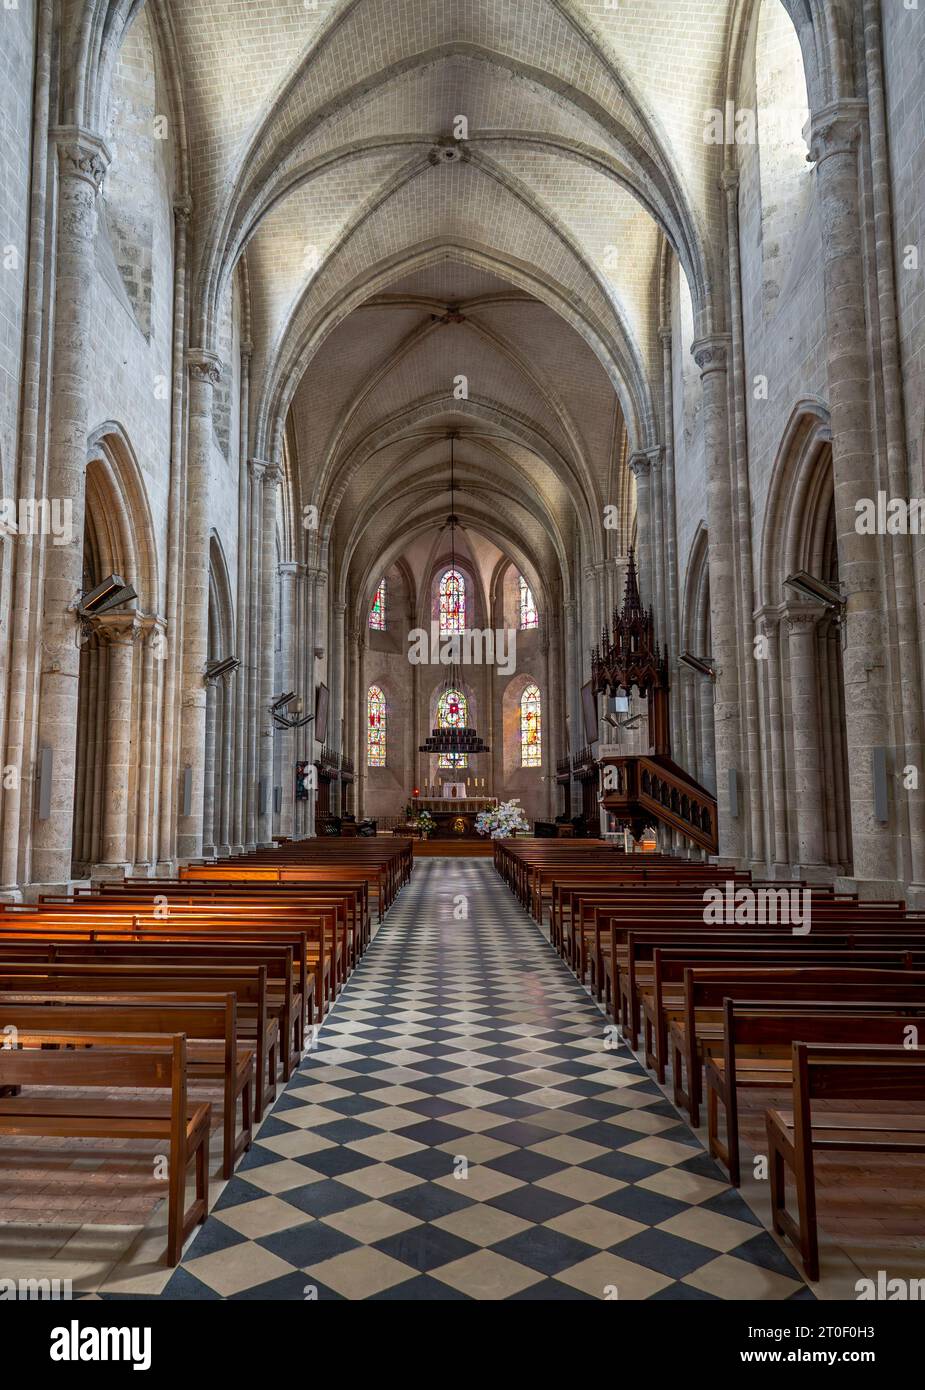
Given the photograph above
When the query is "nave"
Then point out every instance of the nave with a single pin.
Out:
(467, 1042)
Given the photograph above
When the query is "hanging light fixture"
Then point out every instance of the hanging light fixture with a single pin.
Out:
(453, 740)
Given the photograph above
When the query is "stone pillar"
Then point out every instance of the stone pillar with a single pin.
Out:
(268, 581)
(656, 509)
(82, 163)
(314, 580)
(224, 763)
(119, 633)
(210, 774)
(807, 761)
(672, 594)
(836, 132)
(252, 771)
(360, 771)
(768, 627)
(149, 773)
(290, 579)
(241, 720)
(204, 374)
(573, 696)
(710, 354)
(640, 464)
(336, 716)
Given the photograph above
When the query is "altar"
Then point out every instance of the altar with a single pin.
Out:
(454, 815)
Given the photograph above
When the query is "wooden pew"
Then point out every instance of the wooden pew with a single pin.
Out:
(212, 1049)
(133, 1061)
(757, 1051)
(257, 1021)
(706, 988)
(831, 1075)
(277, 960)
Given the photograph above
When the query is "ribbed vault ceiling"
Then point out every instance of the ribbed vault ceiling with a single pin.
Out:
(386, 259)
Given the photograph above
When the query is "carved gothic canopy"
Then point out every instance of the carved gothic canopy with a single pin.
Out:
(629, 658)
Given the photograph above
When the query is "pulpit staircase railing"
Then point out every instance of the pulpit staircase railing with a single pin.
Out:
(643, 789)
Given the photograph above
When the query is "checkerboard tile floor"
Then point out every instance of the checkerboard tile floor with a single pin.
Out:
(462, 1130)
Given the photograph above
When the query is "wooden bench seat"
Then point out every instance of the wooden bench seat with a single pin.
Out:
(63, 1060)
(706, 988)
(754, 1050)
(258, 1022)
(212, 1049)
(832, 1076)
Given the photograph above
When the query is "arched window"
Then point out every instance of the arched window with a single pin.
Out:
(453, 713)
(452, 603)
(377, 612)
(375, 727)
(528, 613)
(531, 728)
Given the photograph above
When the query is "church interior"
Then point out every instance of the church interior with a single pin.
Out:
(462, 650)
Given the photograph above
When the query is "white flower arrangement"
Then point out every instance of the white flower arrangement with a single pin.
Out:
(502, 821)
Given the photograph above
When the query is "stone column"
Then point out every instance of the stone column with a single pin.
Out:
(237, 833)
(209, 797)
(710, 354)
(573, 697)
(311, 649)
(119, 633)
(290, 578)
(360, 771)
(149, 773)
(672, 595)
(336, 716)
(656, 458)
(807, 762)
(640, 464)
(768, 626)
(252, 771)
(268, 581)
(836, 134)
(224, 762)
(204, 374)
(82, 163)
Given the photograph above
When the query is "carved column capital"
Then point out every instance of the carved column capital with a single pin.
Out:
(656, 456)
(257, 468)
(836, 129)
(273, 473)
(82, 155)
(183, 210)
(639, 465)
(729, 181)
(665, 335)
(204, 366)
(119, 629)
(803, 617)
(711, 353)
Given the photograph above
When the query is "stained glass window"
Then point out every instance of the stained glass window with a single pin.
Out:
(528, 613)
(377, 612)
(452, 603)
(453, 713)
(375, 731)
(531, 728)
